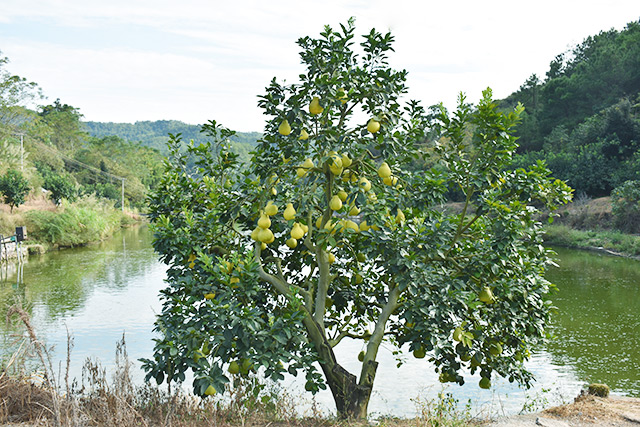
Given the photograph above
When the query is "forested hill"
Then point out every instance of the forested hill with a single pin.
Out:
(583, 118)
(155, 133)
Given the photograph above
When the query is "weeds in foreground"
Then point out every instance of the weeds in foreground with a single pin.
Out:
(102, 401)
(444, 411)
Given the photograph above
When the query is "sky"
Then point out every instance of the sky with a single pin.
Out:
(201, 60)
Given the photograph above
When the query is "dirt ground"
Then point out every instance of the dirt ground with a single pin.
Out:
(586, 410)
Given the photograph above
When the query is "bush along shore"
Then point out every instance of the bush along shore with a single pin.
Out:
(69, 224)
(595, 224)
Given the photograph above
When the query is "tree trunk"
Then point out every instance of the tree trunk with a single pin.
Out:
(351, 398)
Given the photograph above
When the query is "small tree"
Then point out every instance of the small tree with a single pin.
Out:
(14, 188)
(326, 234)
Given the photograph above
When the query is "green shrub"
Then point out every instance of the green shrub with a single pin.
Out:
(625, 201)
(60, 187)
(87, 220)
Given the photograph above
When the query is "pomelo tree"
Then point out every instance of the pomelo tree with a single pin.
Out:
(339, 228)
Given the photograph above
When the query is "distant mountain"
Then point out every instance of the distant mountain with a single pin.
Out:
(155, 134)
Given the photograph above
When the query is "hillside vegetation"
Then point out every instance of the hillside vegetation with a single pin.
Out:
(583, 118)
(154, 134)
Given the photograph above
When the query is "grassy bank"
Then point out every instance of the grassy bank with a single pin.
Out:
(86, 220)
(590, 224)
(608, 240)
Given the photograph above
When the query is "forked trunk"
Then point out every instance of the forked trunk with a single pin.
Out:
(351, 398)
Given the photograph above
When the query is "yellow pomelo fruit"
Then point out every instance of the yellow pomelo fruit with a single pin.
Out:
(305, 228)
(264, 221)
(315, 108)
(335, 203)
(486, 295)
(274, 191)
(308, 163)
(254, 234)
(335, 159)
(337, 171)
(289, 212)
(364, 184)
(343, 195)
(354, 210)
(389, 180)
(364, 226)
(265, 235)
(292, 243)
(457, 334)
(359, 278)
(271, 209)
(234, 368)
(361, 356)
(304, 135)
(271, 238)
(297, 232)
(210, 391)
(373, 126)
(210, 295)
(342, 95)
(400, 217)
(331, 258)
(346, 161)
(284, 128)
(329, 226)
(227, 266)
(352, 225)
(234, 280)
(263, 246)
(419, 353)
(384, 171)
(304, 168)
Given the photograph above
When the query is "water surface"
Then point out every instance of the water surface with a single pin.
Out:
(100, 292)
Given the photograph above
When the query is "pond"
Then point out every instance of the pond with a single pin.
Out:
(100, 292)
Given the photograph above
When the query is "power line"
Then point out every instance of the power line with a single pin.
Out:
(69, 159)
(79, 163)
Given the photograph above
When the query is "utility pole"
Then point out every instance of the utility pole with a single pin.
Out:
(21, 135)
(122, 202)
(21, 152)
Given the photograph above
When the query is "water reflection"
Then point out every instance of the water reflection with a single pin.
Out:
(102, 291)
(98, 292)
(597, 327)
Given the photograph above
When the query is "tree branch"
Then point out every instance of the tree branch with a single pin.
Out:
(366, 374)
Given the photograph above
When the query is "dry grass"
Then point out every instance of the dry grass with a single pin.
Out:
(114, 400)
(588, 408)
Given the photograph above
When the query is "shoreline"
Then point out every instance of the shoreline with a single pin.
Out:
(606, 242)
